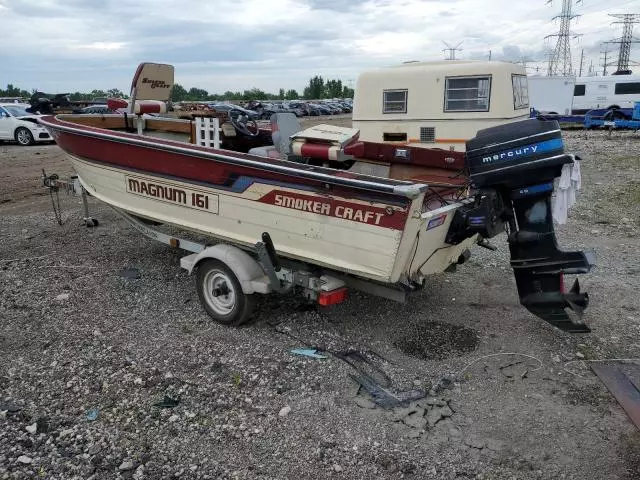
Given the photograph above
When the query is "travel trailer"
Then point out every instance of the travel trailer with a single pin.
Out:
(438, 104)
(552, 94)
(620, 91)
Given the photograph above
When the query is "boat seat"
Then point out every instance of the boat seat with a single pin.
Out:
(283, 126)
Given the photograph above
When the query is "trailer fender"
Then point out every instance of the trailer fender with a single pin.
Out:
(249, 272)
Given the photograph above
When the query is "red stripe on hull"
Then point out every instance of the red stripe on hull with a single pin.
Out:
(123, 151)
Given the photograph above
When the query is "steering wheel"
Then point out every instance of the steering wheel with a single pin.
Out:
(241, 122)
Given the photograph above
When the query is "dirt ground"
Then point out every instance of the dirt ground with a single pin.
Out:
(103, 376)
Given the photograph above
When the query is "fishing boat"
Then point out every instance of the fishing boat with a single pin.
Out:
(319, 211)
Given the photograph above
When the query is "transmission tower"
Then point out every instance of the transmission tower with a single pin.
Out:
(452, 50)
(627, 20)
(560, 60)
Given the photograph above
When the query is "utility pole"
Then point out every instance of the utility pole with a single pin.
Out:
(549, 56)
(604, 62)
(560, 62)
(452, 50)
(627, 20)
(581, 60)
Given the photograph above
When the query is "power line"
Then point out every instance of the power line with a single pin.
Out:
(560, 60)
(452, 50)
(604, 63)
(627, 20)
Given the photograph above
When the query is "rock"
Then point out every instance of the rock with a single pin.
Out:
(138, 381)
(139, 473)
(62, 297)
(32, 428)
(495, 445)
(25, 460)
(435, 414)
(413, 433)
(365, 403)
(337, 468)
(284, 411)
(415, 420)
(474, 442)
(94, 449)
(130, 273)
(173, 418)
(400, 413)
(126, 466)
(579, 354)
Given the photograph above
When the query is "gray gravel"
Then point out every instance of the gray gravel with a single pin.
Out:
(104, 377)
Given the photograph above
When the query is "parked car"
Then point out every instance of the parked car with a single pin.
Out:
(300, 108)
(16, 123)
(322, 109)
(100, 109)
(335, 109)
(225, 107)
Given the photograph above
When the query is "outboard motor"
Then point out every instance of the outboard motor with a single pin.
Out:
(513, 167)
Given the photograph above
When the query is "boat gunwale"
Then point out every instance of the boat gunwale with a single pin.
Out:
(402, 188)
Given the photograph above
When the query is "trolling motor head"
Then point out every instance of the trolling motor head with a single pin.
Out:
(513, 168)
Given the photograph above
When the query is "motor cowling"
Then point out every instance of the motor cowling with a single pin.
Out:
(512, 168)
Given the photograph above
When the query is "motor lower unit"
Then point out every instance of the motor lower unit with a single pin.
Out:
(512, 168)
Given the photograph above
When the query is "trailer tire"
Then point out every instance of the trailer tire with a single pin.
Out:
(221, 294)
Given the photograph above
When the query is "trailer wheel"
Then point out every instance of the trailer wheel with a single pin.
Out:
(221, 294)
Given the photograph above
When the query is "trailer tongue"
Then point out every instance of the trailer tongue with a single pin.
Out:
(513, 167)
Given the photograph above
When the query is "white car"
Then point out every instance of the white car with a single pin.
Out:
(19, 125)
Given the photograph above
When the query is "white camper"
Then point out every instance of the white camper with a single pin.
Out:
(620, 91)
(438, 104)
(552, 94)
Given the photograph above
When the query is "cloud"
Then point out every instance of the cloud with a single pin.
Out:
(218, 45)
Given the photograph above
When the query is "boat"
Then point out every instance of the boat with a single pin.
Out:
(320, 211)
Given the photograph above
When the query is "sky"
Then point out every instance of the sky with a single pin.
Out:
(79, 45)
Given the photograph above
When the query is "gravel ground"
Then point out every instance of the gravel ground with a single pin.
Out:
(106, 377)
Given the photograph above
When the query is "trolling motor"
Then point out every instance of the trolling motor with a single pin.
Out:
(513, 167)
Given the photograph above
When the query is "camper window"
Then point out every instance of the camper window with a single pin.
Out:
(467, 94)
(394, 101)
(520, 91)
(627, 88)
(579, 90)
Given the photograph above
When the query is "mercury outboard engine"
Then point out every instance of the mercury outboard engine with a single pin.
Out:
(513, 167)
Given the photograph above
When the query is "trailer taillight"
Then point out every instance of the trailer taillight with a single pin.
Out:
(333, 297)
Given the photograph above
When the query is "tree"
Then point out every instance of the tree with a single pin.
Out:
(315, 90)
(115, 93)
(347, 92)
(291, 95)
(178, 93)
(333, 89)
(98, 93)
(254, 94)
(197, 94)
(12, 91)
